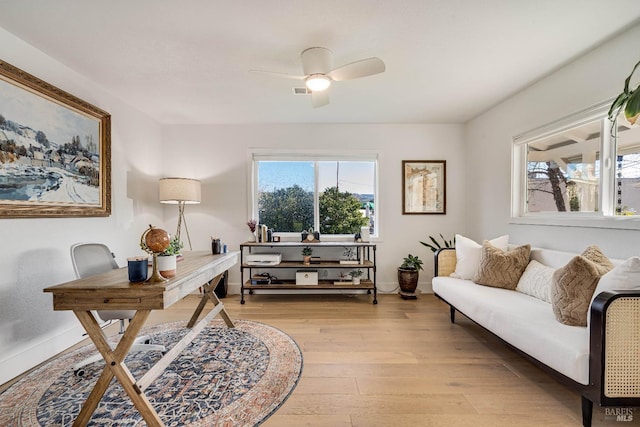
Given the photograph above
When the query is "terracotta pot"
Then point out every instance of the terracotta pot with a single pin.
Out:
(408, 280)
(167, 265)
(307, 260)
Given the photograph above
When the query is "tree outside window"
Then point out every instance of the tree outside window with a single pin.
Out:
(298, 195)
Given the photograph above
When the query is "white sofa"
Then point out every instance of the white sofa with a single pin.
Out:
(579, 355)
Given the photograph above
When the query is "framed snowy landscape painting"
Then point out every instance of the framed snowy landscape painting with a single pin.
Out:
(55, 150)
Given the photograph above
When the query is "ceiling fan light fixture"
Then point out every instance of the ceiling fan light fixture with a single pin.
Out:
(317, 82)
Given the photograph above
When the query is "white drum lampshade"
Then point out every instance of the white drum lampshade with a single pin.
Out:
(177, 190)
(180, 191)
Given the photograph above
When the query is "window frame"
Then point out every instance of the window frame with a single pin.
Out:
(309, 155)
(605, 216)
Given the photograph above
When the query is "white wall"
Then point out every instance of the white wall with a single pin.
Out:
(218, 156)
(591, 79)
(35, 252)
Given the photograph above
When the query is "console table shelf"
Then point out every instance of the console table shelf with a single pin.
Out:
(366, 261)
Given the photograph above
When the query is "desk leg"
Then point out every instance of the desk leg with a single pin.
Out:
(209, 294)
(114, 366)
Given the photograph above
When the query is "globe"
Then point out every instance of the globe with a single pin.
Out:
(155, 239)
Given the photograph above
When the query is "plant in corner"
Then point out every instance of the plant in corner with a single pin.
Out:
(436, 246)
(306, 253)
(408, 274)
(628, 101)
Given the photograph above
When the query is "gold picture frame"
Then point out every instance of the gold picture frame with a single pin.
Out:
(424, 187)
(55, 151)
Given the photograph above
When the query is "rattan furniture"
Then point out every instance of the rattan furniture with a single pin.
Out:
(611, 343)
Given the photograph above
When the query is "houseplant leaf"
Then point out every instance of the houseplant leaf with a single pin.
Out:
(623, 99)
(632, 109)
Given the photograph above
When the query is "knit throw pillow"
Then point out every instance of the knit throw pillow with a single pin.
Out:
(501, 269)
(573, 286)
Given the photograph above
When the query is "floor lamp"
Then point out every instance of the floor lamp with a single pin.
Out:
(181, 192)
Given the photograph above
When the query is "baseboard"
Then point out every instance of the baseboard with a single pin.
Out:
(21, 362)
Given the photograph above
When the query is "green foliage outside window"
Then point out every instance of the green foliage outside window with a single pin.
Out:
(291, 210)
(287, 209)
(340, 212)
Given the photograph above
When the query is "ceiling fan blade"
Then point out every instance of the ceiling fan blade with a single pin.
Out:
(277, 74)
(362, 68)
(319, 99)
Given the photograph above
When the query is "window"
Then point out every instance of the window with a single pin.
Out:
(574, 169)
(627, 180)
(331, 194)
(563, 171)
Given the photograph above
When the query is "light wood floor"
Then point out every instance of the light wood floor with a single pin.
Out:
(401, 363)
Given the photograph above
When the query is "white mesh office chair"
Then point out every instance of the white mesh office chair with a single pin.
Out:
(94, 258)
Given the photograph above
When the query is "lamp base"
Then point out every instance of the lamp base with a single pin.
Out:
(156, 277)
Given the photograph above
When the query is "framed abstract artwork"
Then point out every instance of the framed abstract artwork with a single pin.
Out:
(424, 187)
(55, 151)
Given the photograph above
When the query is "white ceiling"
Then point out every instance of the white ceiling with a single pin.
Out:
(187, 61)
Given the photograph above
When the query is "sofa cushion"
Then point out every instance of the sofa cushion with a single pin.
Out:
(468, 255)
(524, 322)
(625, 276)
(574, 285)
(499, 268)
(536, 281)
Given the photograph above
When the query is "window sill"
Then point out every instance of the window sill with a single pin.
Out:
(591, 221)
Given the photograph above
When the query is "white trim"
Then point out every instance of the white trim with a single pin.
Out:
(611, 222)
(579, 118)
(312, 154)
(29, 357)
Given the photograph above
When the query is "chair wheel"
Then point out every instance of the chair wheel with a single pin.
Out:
(79, 372)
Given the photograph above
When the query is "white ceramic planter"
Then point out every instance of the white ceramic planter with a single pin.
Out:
(355, 280)
(167, 266)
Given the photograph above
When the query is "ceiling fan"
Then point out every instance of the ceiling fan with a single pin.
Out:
(318, 74)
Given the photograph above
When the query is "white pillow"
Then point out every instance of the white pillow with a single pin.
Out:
(536, 281)
(625, 276)
(468, 255)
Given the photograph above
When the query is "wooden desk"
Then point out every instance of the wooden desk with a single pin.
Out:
(113, 291)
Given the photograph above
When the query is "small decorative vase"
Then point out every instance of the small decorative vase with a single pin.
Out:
(167, 265)
(251, 237)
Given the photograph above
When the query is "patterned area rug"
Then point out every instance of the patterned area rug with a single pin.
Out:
(226, 377)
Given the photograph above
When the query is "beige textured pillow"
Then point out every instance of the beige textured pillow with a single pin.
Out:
(536, 281)
(574, 284)
(501, 269)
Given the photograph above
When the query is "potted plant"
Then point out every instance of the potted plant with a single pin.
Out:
(306, 253)
(355, 276)
(628, 101)
(167, 260)
(436, 246)
(408, 274)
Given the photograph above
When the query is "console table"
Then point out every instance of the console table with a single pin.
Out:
(366, 261)
(113, 291)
